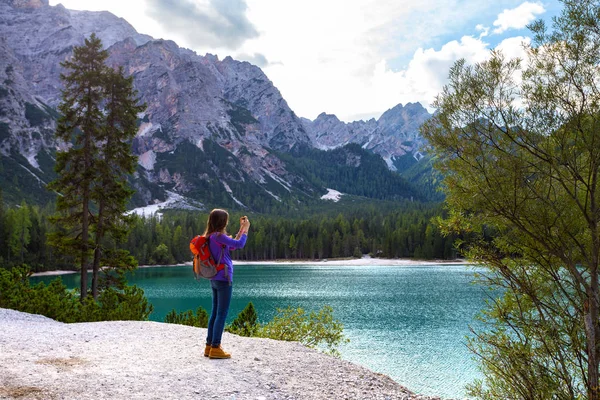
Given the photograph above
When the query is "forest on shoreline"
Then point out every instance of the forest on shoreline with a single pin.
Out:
(399, 230)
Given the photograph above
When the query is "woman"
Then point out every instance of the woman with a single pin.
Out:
(220, 245)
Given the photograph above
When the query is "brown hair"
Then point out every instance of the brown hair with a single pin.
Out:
(217, 222)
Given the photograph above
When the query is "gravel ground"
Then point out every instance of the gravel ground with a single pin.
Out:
(44, 359)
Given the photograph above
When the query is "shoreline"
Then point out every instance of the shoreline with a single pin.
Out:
(49, 359)
(351, 262)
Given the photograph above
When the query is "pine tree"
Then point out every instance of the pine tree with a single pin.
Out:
(20, 236)
(115, 162)
(79, 130)
(3, 231)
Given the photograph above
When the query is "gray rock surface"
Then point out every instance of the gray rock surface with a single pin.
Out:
(394, 134)
(44, 359)
(190, 97)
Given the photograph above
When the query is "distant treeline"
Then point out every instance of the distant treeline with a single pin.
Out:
(405, 231)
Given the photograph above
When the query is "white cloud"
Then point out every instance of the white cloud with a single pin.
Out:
(514, 47)
(341, 56)
(519, 17)
(485, 30)
(213, 22)
(337, 55)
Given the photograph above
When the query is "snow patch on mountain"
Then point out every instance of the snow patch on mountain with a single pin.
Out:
(228, 189)
(31, 159)
(173, 201)
(332, 195)
(34, 175)
(279, 180)
(274, 195)
(390, 163)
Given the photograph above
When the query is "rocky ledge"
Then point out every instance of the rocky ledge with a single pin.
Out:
(44, 359)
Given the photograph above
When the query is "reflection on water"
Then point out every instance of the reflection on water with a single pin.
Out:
(407, 322)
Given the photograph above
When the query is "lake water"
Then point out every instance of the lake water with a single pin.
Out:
(409, 322)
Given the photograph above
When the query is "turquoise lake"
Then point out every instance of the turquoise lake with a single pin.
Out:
(409, 322)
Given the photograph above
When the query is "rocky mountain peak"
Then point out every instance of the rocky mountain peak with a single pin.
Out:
(327, 117)
(212, 128)
(394, 134)
(28, 3)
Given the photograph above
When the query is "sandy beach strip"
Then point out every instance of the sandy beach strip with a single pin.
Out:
(351, 262)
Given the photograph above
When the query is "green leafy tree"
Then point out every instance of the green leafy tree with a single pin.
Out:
(79, 130)
(314, 329)
(161, 254)
(519, 147)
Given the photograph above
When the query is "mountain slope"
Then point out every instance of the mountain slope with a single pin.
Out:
(216, 132)
(393, 135)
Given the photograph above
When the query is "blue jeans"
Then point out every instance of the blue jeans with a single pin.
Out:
(221, 296)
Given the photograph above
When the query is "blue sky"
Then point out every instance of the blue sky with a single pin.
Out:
(352, 58)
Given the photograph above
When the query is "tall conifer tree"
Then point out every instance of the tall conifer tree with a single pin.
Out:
(115, 163)
(79, 129)
(99, 119)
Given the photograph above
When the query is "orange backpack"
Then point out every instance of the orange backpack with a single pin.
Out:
(204, 264)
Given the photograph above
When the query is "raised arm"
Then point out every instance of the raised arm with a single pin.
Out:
(230, 242)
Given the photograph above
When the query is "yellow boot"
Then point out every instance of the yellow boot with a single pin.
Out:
(207, 350)
(218, 352)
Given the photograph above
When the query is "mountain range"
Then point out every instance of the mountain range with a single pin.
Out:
(215, 132)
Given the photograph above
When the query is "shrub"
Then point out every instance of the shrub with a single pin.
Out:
(316, 329)
(199, 320)
(246, 323)
(57, 302)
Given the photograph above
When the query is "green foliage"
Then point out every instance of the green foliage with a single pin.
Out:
(111, 192)
(18, 182)
(4, 131)
(199, 319)
(162, 255)
(350, 169)
(3, 92)
(35, 115)
(57, 302)
(239, 117)
(20, 236)
(246, 323)
(98, 117)
(518, 148)
(404, 162)
(315, 329)
(81, 125)
(404, 232)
